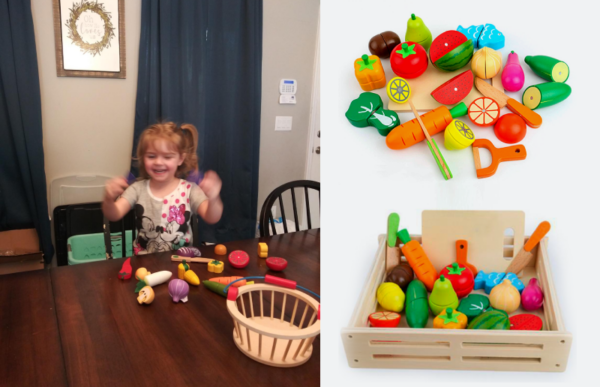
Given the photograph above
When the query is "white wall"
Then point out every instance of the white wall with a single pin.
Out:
(88, 122)
(289, 45)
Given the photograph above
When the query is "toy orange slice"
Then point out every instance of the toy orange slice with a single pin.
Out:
(398, 90)
(384, 319)
(484, 111)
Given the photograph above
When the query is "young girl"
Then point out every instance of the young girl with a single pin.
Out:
(163, 200)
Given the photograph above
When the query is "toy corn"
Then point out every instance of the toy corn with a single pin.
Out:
(215, 266)
(369, 72)
(181, 269)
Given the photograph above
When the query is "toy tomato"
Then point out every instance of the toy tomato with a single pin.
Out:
(461, 278)
(384, 319)
(409, 60)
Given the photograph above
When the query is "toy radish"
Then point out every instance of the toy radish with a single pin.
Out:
(513, 76)
(125, 272)
(532, 296)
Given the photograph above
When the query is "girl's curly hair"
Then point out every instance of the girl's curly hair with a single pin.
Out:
(184, 139)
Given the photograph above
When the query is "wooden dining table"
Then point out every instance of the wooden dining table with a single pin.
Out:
(108, 339)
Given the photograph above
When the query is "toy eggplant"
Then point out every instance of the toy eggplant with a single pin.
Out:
(532, 296)
(513, 77)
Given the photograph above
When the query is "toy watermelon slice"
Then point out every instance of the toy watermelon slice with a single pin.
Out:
(384, 319)
(484, 111)
(239, 259)
(276, 263)
(492, 319)
(451, 50)
(454, 90)
(526, 322)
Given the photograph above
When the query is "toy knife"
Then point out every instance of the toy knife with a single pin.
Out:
(525, 255)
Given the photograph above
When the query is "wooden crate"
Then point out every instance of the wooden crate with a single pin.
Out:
(494, 350)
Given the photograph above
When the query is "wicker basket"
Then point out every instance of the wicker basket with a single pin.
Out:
(266, 331)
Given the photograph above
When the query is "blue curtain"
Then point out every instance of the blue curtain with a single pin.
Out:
(23, 201)
(200, 63)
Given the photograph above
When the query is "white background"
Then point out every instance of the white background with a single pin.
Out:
(74, 58)
(363, 180)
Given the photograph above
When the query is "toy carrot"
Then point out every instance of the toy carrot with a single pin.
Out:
(227, 280)
(417, 259)
(410, 133)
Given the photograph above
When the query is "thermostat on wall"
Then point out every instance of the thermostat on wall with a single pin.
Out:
(287, 89)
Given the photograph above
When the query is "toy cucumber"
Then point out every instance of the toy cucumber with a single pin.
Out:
(545, 94)
(417, 308)
(548, 68)
(393, 223)
(492, 319)
(215, 287)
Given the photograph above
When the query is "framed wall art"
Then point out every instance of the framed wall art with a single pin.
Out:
(89, 37)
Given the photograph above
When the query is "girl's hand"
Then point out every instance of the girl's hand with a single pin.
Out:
(114, 188)
(211, 185)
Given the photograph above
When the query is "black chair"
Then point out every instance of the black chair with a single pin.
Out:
(266, 216)
(79, 219)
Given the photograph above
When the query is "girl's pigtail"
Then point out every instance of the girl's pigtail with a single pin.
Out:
(190, 135)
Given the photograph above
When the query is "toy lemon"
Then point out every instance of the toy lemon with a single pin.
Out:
(458, 135)
(398, 90)
(390, 296)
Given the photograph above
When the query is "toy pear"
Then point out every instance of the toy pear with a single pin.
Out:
(442, 296)
(417, 32)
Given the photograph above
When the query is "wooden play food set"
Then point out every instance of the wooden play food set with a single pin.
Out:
(447, 82)
(489, 342)
(274, 338)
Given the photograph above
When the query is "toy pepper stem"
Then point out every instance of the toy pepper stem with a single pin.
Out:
(365, 59)
(442, 278)
(449, 312)
(412, 16)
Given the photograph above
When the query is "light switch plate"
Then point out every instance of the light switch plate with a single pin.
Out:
(286, 99)
(283, 123)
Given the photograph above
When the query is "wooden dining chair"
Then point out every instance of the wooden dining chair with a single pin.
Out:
(266, 215)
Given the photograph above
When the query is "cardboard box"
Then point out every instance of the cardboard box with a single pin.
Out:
(19, 242)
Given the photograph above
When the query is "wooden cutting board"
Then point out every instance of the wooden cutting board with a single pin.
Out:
(483, 230)
(422, 87)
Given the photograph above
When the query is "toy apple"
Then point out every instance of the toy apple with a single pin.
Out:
(409, 60)
(461, 278)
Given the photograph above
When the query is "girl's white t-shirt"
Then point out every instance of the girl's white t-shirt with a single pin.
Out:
(163, 224)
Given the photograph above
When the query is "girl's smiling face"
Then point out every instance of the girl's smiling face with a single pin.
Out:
(161, 160)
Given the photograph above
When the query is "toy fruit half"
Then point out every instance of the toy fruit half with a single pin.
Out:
(398, 90)
(484, 111)
(454, 90)
(384, 319)
(451, 50)
(486, 63)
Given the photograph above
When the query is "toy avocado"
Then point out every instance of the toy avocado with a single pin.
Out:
(442, 296)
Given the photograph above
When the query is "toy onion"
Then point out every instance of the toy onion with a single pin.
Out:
(189, 252)
(179, 290)
(505, 297)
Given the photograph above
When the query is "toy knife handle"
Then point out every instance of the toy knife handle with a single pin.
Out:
(462, 247)
(535, 238)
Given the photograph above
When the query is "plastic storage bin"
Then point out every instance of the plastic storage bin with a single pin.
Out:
(90, 247)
